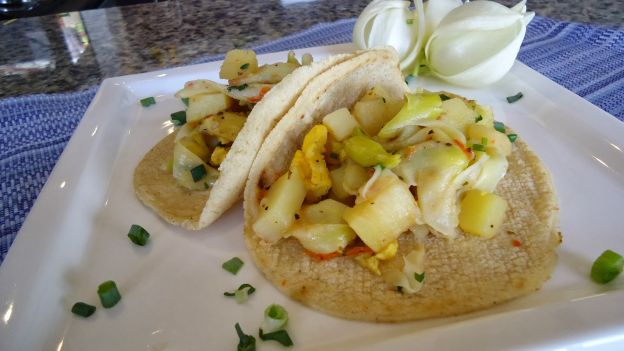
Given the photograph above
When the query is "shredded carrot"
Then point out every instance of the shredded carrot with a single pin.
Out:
(516, 243)
(463, 148)
(409, 151)
(322, 257)
(263, 91)
(356, 250)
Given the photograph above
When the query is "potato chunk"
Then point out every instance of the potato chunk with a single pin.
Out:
(482, 213)
(224, 125)
(340, 124)
(325, 212)
(202, 105)
(237, 63)
(324, 238)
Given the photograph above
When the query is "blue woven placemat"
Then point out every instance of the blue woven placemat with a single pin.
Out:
(588, 60)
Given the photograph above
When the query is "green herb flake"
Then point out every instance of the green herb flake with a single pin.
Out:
(198, 173)
(419, 277)
(233, 265)
(607, 267)
(280, 336)
(409, 21)
(138, 235)
(444, 97)
(478, 119)
(238, 87)
(512, 137)
(499, 126)
(484, 141)
(148, 101)
(245, 342)
(108, 293)
(514, 98)
(178, 118)
(478, 147)
(185, 101)
(244, 66)
(83, 309)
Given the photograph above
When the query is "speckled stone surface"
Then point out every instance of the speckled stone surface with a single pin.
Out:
(36, 54)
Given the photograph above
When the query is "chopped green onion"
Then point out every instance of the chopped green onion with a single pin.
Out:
(245, 342)
(244, 66)
(185, 101)
(484, 141)
(148, 101)
(138, 235)
(83, 309)
(238, 87)
(409, 21)
(514, 98)
(419, 277)
(233, 265)
(607, 267)
(242, 293)
(280, 336)
(178, 118)
(275, 318)
(109, 295)
(478, 147)
(444, 97)
(512, 137)
(499, 126)
(198, 173)
(478, 119)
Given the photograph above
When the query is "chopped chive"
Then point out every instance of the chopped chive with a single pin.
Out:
(499, 126)
(185, 101)
(138, 235)
(409, 21)
(245, 342)
(478, 119)
(444, 97)
(514, 98)
(484, 141)
(478, 147)
(198, 173)
(178, 118)
(607, 267)
(148, 101)
(238, 87)
(280, 336)
(384, 99)
(242, 293)
(244, 66)
(109, 295)
(233, 265)
(512, 137)
(419, 277)
(83, 309)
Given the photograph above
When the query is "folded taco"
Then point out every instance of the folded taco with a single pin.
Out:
(198, 172)
(371, 202)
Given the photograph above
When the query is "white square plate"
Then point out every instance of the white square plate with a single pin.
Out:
(75, 238)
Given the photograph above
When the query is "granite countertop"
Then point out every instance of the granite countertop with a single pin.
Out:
(75, 51)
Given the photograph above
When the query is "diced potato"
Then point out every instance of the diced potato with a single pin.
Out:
(268, 74)
(458, 114)
(355, 176)
(388, 210)
(184, 161)
(337, 179)
(487, 116)
(482, 213)
(224, 125)
(237, 63)
(202, 105)
(196, 145)
(199, 86)
(393, 106)
(324, 238)
(495, 139)
(371, 114)
(325, 212)
(218, 155)
(279, 206)
(340, 123)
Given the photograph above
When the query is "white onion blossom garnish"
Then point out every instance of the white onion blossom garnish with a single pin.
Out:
(471, 44)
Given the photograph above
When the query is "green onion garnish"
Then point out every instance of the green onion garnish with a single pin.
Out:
(233, 265)
(484, 141)
(444, 97)
(478, 147)
(478, 119)
(419, 277)
(606, 267)
(178, 118)
(198, 173)
(409, 21)
(512, 137)
(499, 126)
(244, 66)
(109, 295)
(185, 101)
(514, 98)
(280, 336)
(238, 87)
(275, 318)
(138, 235)
(148, 101)
(242, 293)
(83, 309)
(245, 342)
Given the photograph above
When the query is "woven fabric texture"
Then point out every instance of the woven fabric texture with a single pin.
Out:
(586, 59)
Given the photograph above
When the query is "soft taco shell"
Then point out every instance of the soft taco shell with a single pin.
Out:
(194, 210)
(462, 275)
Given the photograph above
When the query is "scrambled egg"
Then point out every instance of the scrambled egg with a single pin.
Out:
(310, 163)
(371, 262)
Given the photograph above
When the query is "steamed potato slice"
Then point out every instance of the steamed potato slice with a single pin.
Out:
(238, 63)
(202, 105)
